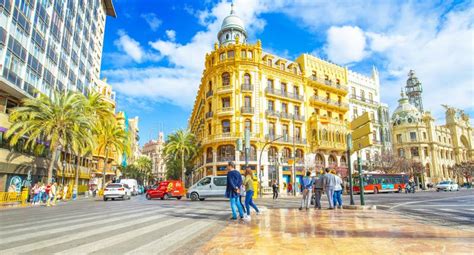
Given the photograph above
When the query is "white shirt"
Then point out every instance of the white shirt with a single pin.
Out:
(338, 185)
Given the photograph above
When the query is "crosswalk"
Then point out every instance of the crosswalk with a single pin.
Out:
(117, 227)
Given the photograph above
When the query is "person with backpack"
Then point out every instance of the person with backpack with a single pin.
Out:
(307, 187)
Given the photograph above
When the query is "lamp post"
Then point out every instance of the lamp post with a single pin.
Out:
(260, 164)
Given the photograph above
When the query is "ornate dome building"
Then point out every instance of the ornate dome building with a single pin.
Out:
(232, 30)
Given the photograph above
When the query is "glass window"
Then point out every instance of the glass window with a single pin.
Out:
(271, 105)
(415, 152)
(270, 84)
(225, 126)
(205, 181)
(247, 79)
(226, 102)
(297, 110)
(248, 125)
(399, 138)
(230, 54)
(284, 107)
(413, 136)
(247, 101)
(220, 181)
(225, 79)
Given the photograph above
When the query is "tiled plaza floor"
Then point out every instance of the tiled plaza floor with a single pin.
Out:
(290, 231)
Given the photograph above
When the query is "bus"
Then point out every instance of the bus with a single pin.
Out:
(375, 183)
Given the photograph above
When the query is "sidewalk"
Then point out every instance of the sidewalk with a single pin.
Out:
(290, 231)
(28, 204)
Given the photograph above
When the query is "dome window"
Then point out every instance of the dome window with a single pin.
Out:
(227, 36)
(410, 120)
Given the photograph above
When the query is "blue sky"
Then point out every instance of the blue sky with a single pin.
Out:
(154, 50)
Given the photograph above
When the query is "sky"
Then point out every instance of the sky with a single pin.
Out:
(154, 50)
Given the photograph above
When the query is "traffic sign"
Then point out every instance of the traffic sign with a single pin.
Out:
(363, 142)
(362, 130)
(361, 120)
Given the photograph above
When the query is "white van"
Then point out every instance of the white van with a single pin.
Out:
(133, 184)
(209, 186)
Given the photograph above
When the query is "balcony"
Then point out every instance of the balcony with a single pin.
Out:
(317, 100)
(283, 94)
(209, 115)
(246, 110)
(209, 93)
(323, 101)
(225, 111)
(271, 113)
(286, 115)
(224, 89)
(226, 158)
(364, 100)
(330, 83)
(251, 157)
(247, 87)
(298, 117)
(338, 104)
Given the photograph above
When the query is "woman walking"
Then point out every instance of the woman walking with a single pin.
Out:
(248, 182)
(275, 190)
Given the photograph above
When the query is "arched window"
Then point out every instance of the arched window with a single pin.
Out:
(299, 154)
(343, 161)
(225, 126)
(226, 153)
(272, 154)
(319, 160)
(209, 156)
(247, 79)
(225, 79)
(332, 161)
(248, 125)
(210, 85)
(286, 154)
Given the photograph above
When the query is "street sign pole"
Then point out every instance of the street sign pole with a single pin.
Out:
(349, 166)
(247, 146)
(361, 182)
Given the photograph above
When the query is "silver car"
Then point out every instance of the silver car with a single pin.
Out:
(447, 186)
(117, 190)
(207, 187)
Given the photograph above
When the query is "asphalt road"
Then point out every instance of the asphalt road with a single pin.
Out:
(139, 226)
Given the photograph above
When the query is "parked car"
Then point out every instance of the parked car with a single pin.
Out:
(133, 184)
(117, 190)
(447, 186)
(207, 187)
(166, 190)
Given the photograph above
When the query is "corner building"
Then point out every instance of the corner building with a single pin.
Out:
(293, 110)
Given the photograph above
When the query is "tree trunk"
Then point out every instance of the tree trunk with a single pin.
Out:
(76, 182)
(51, 165)
(105, 166)
(183, 169)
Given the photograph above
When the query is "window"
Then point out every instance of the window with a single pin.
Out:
(362, 95)
(371, 97)
(284, 107)
(247, 79)
(414, 152)
(399, 138)
(230, 54)
(314, 76)
(284, 131)
(271, 105)
(220, 181)
(247, 101)
(425, 151)
(286, 153)
(296, 110)
(225, 102)
(401, 152)
(354, 113)
(424, 135)
(248, 125)
(222, 56)
(209, 129)
(270, 84)
(210, 85)
(298, 133)
(269, 62)
(413, 136)
(225, 126)
(271, 129)
(249, 54)
(353, 92)
(282, 66)
(205, 181)
(284, 88)
(328, 95)
(243, 54)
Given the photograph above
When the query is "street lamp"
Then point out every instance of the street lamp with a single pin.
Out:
(260, 164)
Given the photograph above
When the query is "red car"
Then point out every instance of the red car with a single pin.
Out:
(166, 190)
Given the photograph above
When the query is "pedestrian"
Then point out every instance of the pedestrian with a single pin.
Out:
(234, 181)
(290, 188)
(329, 184)
(307, 186)
(275, 190)
(242, 194)
(337, 198)
(248, 182)
(65, 190)
(35, 190)
(318, 190)
(42, 194)
(52, 194)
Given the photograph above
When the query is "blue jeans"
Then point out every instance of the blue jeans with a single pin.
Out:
(249, 201)
(330, 194)
(337, 197)
(235, 202)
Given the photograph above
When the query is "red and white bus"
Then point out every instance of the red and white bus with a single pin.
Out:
(375, 183)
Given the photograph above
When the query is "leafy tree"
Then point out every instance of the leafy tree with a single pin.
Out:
(144, 166)
(464, 169)
(182, 145)
(55, 119)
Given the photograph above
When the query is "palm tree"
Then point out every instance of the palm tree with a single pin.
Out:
(182, 144)
(111, 137)
(144, 165)
(82, 149)
(53, 119)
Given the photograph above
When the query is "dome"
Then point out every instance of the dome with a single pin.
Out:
(405, 113)
(231, 29)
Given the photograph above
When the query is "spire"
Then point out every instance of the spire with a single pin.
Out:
(232, 8)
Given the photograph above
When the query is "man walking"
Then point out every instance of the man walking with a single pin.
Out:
(329, 184)
(307, 188)
(234, 181)
(318, 190)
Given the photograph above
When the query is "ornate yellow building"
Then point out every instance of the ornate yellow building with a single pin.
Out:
(436, 147)
(297, 107)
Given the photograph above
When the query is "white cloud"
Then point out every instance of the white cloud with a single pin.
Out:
(152, 20)
(345, 44)
(171, 34)
(130, 51)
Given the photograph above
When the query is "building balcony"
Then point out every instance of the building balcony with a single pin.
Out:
(272, 114)
(209, 93)
(298, 117)
(247, 87)
(286, 115)
(331, 145)
(246, 110)
(330, 83)
(323, 101)
(317, 100)
(226, 158)
(251, 157)
(224, 89)
(209, 115)
(225, 111)
(338, 104)
(364, 100)
(284, 94)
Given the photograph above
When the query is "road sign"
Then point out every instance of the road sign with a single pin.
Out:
(362, 130)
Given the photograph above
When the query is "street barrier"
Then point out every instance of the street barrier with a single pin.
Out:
(14, 197)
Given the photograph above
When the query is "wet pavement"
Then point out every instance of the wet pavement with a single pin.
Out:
(290, 231)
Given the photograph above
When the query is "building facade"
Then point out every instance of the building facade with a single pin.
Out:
(364, 96)
(46, 46)
(437, 148)
(295, 111)
(134, 139)
(154, 149)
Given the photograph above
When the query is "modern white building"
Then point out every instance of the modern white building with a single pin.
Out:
(364, 96)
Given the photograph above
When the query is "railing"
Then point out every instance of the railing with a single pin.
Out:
(283, 93)
(247, 87)
(364, 99)
(252, 157)
(209, 93)
(14, 197)
(324, 100)
(299, 117)
(209, 115)
(247, 109)
(330, 83)
(225, 110)
(272, 113)
(224, 88)
(318, 99)
(225, 158)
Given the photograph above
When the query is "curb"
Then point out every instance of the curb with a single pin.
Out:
(360, 207)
